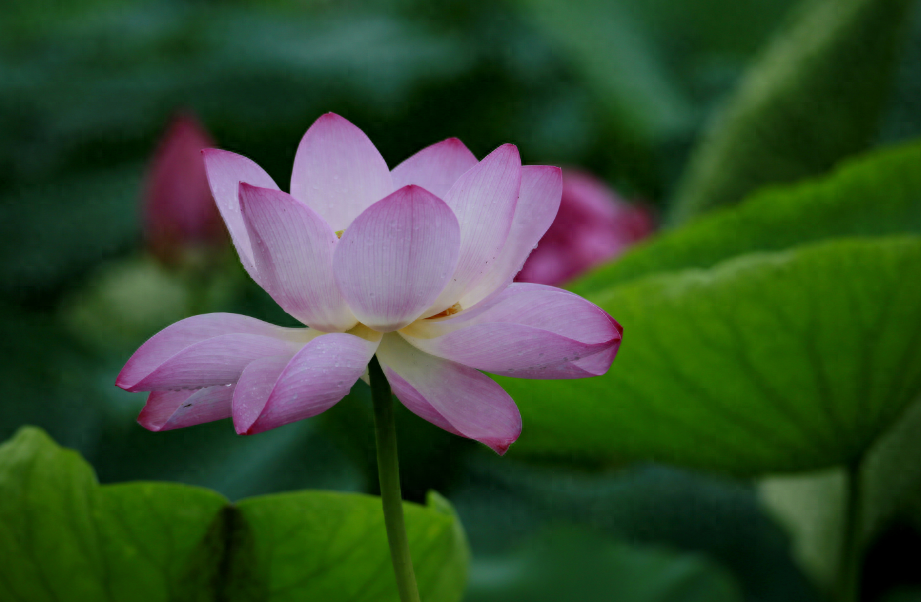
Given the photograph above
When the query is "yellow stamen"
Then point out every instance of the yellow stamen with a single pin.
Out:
(339, 233)
(448, 312)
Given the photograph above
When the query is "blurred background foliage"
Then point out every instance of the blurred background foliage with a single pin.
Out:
(684, 105)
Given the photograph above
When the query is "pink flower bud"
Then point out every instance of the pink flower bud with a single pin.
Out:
(592, 226)
(180, 215)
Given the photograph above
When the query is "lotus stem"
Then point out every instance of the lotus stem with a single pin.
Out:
(388, 468)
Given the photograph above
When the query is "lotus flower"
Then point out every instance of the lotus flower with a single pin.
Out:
(414, 265)
(179, 213)
(593, 225)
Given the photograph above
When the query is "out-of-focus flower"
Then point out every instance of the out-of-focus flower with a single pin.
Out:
(413, 265)
(593, 225)
(180, 217)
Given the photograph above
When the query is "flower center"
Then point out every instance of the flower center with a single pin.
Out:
(339, 233)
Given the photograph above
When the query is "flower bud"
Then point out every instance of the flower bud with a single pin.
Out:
(592, 226)
(181, 219)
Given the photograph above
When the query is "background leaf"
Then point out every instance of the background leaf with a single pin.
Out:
(618, 60)
(891, 474)
(812, 506)
(766, 363)
(64, 537)
(503, 503)
(574, 564)
(873, 195)
(48, 239)
(905, 595)
(815, 97)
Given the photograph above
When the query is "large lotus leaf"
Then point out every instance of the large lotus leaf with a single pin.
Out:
(876, 194)
(789, 361)
(63, 537)
(815, 97)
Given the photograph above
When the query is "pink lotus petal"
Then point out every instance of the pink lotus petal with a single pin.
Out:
(225, 172)
(167, 410)
(396, 257)
(538, 203)
(253, 390)
(435, 168)
(528, 331)
(338, 172)
(313, 381)
(179, 211)
(183, 335)
(293, 249)
(217, 361)
(470, 402)
(483, 199)
(416, 403)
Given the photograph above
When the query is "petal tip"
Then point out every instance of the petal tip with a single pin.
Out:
(332, 118)
(505, 153)
(256, 427)
(244, 192)
(454, 141)
(251, 188)
(124, 382)
(501, 443)
(500, 448)
(145, 421)
(242, 424)
(414, 189)
(212, 153)
(127, 378)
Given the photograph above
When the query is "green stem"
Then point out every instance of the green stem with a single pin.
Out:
(851, 550)
(388, 468)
